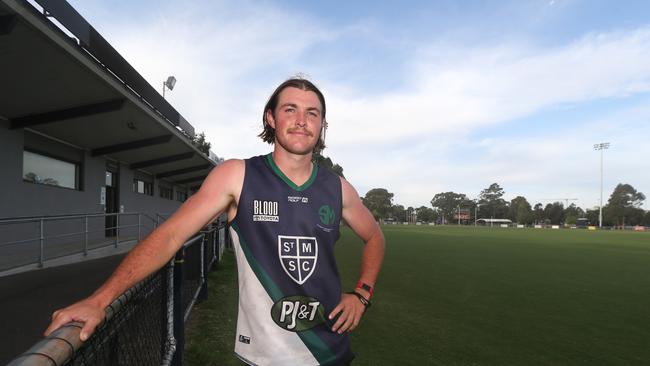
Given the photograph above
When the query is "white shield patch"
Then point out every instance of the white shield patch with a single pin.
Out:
(298, 255)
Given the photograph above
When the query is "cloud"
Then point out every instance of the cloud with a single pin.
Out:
(476, 87)
(430, 134)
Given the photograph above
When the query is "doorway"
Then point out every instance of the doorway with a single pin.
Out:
(112, 198)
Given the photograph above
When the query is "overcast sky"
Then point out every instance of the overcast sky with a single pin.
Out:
(423, 96)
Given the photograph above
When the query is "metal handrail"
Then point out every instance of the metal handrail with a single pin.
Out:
(42, 237)
(68, 217)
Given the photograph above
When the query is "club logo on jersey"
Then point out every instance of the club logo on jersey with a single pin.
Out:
(326, 214)
(265, 211)
(298, 313)
(298, 255)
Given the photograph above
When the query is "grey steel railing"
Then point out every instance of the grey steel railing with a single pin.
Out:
(35, 240)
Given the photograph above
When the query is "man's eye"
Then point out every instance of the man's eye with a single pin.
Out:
(289, 110)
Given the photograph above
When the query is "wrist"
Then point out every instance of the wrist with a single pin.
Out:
(364, 289)
(364, 301)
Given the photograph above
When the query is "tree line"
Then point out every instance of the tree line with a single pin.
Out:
(622, 209)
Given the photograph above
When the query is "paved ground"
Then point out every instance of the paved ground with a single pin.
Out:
(28, 299)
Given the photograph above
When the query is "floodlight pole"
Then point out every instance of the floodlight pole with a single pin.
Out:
(601, 146)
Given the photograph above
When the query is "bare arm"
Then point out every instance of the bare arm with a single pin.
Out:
(363, 224)
(218, 193)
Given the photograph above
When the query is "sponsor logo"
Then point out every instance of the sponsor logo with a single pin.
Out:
(298, 313)
(244, 339)
(298, 255)
(265, 211)
(326, 214)
(298, 199)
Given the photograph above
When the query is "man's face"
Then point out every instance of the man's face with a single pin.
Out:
(297, 120)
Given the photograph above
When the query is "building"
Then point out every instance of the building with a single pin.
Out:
(81, 131)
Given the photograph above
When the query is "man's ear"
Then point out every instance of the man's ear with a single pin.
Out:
(270, 119)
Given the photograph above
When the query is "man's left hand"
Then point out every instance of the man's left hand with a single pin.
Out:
(351, 310)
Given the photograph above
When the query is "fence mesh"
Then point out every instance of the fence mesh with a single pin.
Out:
(136, 333)
(145, 325)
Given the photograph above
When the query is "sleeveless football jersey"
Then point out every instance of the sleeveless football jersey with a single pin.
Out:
(284, 238)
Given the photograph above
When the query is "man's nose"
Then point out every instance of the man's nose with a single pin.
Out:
(301, 120)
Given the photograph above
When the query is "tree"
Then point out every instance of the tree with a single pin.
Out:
(327, 163)
(554, 213)
(520, 210)
(592, 215)
(572, 214)
(33, 177)
(624, 202)
(447, 203)
(201, 143)
(398, 212)
(538, 213)
(426, 214)
(379, 201)
(646, 219)
(634, 216)
(492, 205)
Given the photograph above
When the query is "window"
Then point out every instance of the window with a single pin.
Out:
(42, 169)
(140, 186)
(165, 192)
(181, 196)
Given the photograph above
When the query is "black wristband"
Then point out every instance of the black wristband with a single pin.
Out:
(366, 303)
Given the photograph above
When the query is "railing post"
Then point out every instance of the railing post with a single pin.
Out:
(117, 228)
(169, 350)
(179, 314)
(85, 235)
(41, 244)
(203, 292)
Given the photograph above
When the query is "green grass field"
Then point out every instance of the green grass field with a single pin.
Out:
(479, 296)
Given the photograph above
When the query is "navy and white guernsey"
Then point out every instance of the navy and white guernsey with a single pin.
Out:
(284, 238)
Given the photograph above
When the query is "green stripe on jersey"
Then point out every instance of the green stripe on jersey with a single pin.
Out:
(271, 288)
(279, 173)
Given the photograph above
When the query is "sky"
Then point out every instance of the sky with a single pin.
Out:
(422, 97)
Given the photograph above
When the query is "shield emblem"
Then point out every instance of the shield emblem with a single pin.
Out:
(298, 255)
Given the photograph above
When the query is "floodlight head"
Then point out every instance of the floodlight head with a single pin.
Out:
(601, 146)
(171, 81)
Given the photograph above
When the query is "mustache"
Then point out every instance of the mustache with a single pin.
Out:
(302, 130)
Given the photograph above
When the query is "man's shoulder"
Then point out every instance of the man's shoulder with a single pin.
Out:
(232, 164)
(227, 174)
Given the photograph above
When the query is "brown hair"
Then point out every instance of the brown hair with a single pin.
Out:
(268, 133)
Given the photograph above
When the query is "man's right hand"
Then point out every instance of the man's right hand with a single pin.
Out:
(85, 311)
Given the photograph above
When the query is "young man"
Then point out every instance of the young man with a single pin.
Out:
(284, 213)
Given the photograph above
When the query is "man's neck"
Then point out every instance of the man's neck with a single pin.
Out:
(297, 168)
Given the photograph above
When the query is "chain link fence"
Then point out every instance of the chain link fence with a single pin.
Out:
(145, 325)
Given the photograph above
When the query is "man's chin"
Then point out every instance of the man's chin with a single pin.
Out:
(298, 150)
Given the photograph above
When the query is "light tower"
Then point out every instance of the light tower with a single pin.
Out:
(601, 146)
(168, 84)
